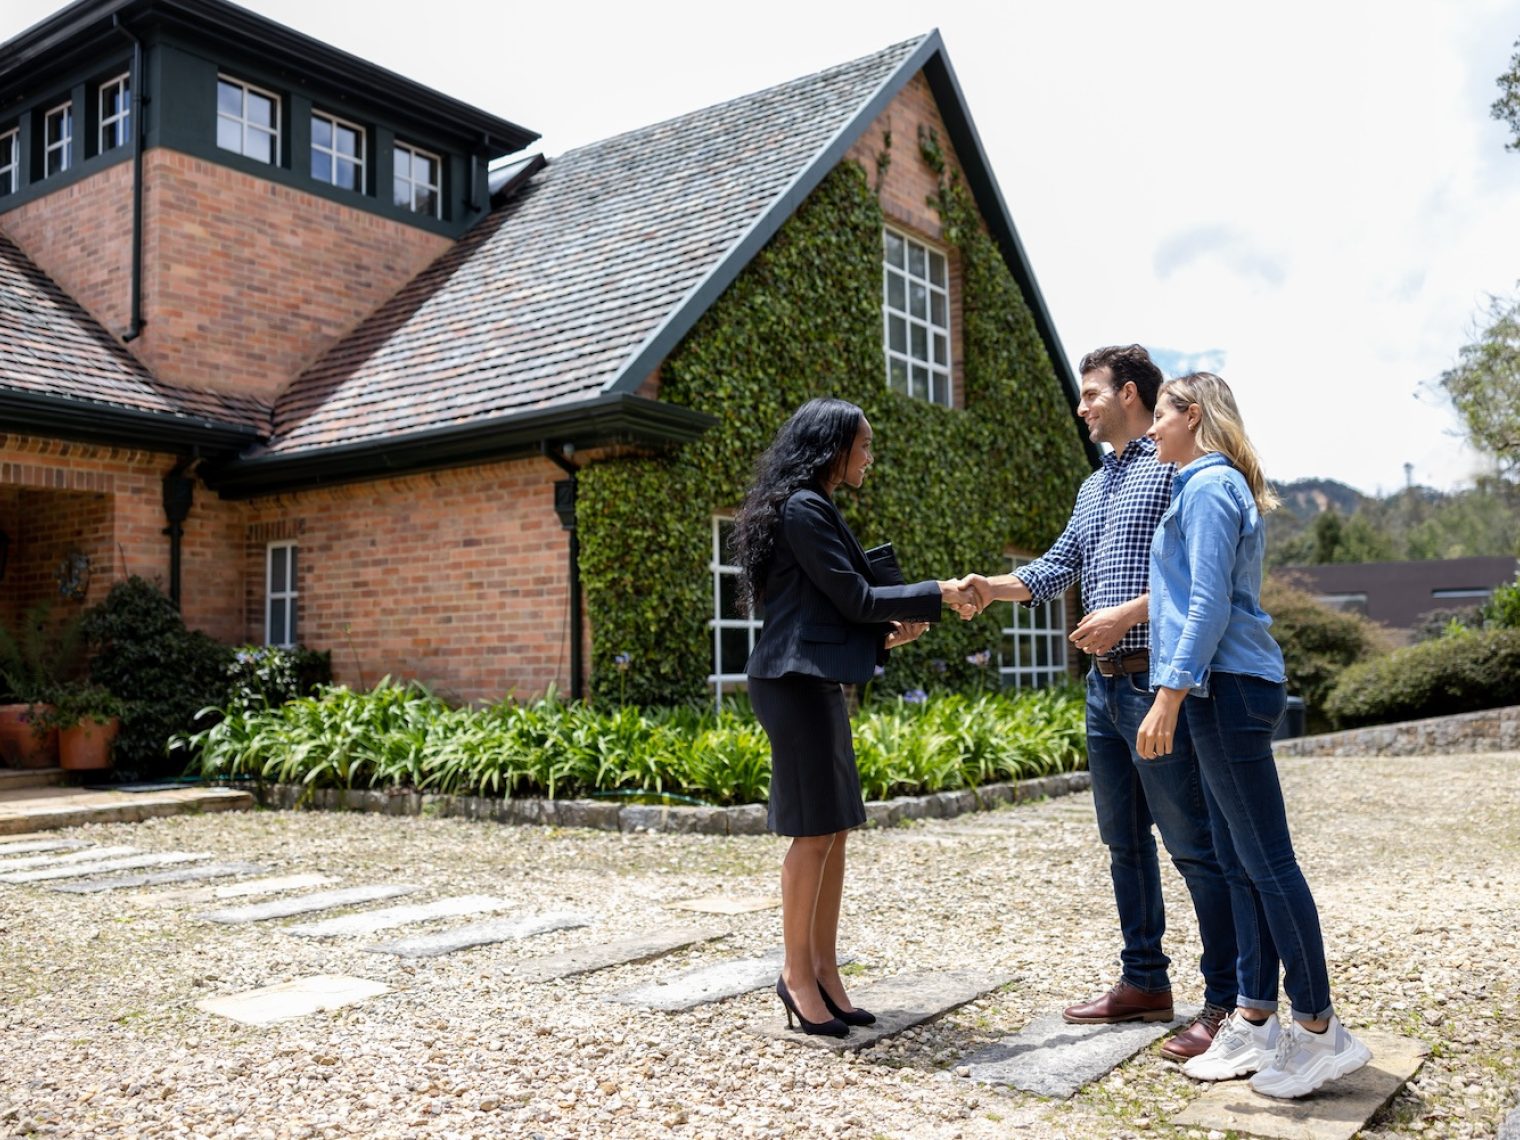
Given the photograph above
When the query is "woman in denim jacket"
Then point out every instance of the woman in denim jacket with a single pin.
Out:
(1213, 661)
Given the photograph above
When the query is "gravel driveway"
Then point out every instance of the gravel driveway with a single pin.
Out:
(1415, 863)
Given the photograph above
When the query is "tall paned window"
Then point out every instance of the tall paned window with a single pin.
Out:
(1032, 653)
(337, 152)
(10, 161)
(733, 631)
(247, 120)
(280, 595)
(418, 181)
(58, 139)
(115, 113)
(915, 306)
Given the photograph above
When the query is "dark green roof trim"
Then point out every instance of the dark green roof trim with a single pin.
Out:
(618, 417)
(90, 421)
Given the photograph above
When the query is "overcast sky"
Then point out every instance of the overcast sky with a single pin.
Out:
(1309, 197)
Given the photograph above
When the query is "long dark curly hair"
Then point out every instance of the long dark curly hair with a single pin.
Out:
(804, 452)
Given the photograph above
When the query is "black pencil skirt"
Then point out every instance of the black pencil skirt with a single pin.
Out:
(815, 786)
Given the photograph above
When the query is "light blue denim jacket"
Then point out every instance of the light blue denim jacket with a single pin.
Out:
(1205, 605)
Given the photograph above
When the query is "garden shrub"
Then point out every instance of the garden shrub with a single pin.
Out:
(1318, 643)
(1463, 672)
(1502, 610)
(263, 675)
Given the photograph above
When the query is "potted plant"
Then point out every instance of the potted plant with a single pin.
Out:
(33, 661)
(87, 719)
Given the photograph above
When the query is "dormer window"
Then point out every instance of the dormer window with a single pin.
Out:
(247, 120)
(337, 152)
(10, 161)
(58, 139)
(115, 112)
(419, 181)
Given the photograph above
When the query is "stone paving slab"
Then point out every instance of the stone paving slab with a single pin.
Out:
(369, 921)
(28, 810)
(305, 904)
(80, 870)
(288, 1000)
(706, 984)
(237, 890)
(479, 934)
(1053, 1058)
(1510, 1129)
(31, 862)
(156, 878)
(899, 1003)
(625, 951)
(1338, 1111)
(726, 904)
(24, 846)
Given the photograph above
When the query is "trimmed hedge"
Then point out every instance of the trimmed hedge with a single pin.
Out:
(1462, 672)
(1318, 643)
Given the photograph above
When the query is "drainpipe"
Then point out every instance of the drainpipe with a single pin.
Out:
(135, 326)
(179, 493)
(565, 493)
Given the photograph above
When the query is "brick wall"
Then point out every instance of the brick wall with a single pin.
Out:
(908, 184)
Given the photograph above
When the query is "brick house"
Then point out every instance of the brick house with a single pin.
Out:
(279, 329)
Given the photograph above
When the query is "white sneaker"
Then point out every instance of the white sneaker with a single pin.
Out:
(1237, 1049)
(1305, 1060)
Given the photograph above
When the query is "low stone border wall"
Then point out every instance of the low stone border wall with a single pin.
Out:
(1490, 730)
(745, 819)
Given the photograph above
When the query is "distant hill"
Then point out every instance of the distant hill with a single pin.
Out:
(1305, 498)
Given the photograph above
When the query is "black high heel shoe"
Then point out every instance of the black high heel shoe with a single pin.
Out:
(855, 1016)
(833, 1027)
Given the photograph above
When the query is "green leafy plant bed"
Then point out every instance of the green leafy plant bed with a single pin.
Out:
(402, 737)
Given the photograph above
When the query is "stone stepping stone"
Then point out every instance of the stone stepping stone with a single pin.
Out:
(1054, 1058)
(305, 904)
(370, 921)
(31, 862)
(584, 959)
(238, 890)
(154, 878)
(707, 983)
(899, 1003)
(31, 845)
(478, 934)
(80, 870)
(724, 904)
(288, 1000)
(1338, 1111)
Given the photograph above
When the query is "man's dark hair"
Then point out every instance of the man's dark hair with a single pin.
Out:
(1127, 364)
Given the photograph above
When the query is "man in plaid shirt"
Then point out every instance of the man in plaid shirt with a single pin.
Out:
(1107, 545)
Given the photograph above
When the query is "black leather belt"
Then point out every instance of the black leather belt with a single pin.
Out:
(1136, 661)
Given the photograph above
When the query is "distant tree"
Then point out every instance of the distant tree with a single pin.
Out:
(1334, 539)
(1507, 107)
(1485, 385)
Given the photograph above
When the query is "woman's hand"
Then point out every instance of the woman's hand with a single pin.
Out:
(1158, 731)
(904, 632)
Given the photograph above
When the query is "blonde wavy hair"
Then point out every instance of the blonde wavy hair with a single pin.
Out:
(1220, 428)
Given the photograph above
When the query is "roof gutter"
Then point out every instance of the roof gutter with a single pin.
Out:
(607, 419)
(90, 421)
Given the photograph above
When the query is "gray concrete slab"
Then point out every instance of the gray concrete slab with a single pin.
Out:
(157, 878)
(1510, 1129)
(584, 959)
(706, 984)
(1055, 1059)
(306, 904)
(127, 863)
(898, 1003)
(728, 904)
(287, 1000)
(479, 934)
(1337, 1111)
(28, 846)
(369, 921)
(92, 853)
(236, 890)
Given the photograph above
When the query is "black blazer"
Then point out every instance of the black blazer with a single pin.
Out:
(823, 615)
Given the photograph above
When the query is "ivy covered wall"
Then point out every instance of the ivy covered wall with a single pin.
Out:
(952, 488)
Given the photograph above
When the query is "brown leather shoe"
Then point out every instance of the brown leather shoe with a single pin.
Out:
(1122, 1003)
(1198, 1036)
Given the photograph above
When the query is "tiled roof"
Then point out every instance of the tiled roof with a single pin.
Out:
(49, 346)
(549, 299)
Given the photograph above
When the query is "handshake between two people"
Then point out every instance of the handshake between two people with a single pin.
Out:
(967, 596)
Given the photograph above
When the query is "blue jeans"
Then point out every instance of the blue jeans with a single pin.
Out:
(1133, 794)
(1275, 915)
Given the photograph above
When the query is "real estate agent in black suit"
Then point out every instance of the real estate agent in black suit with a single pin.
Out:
(827, 622)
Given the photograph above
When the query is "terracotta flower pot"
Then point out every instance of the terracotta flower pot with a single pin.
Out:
(87, 745)
(20, 745)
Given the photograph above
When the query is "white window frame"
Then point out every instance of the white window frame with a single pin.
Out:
(10, 173)
(721, 569)
(1045, 621)
(286, 637)
(244, 125)
(413, 185)
(335, 156)
(65, 144)
(925, 375)
(123, 83)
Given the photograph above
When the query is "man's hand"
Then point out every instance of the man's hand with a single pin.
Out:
(1158, 731)
(1101, 630)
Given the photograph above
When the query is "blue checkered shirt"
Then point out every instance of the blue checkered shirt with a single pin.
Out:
(1107, 542)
